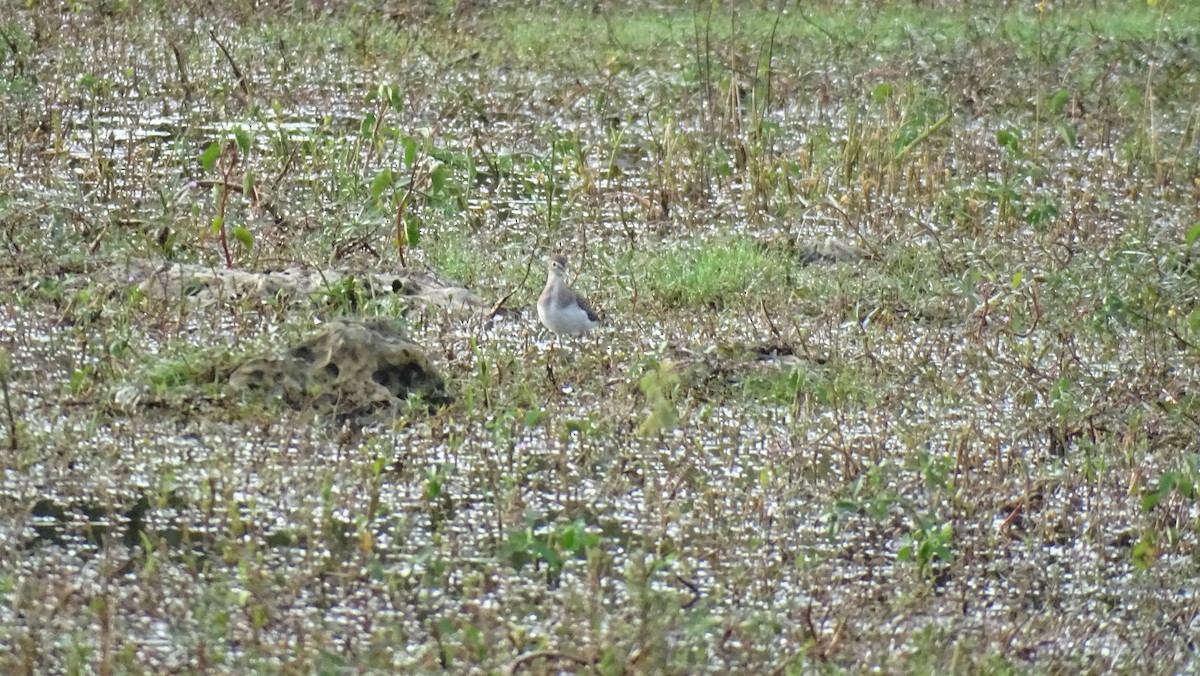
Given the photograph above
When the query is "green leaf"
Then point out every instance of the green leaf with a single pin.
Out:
(1041, 214)
(1167, 482)
(570, 539)
(881, 93)
(457, 160)
(1187, 489)
(545, 553)
(721, 161)
(217, 224)
(209, 157)
(533, 417)
(1114, 306)
(1193, 234)
(243, 235)
(368, 124)
(1059, 101)
(1194, 321)
(248, 184)
(1150, 501)
(845, 507)
(410, 151)
(1010, 140)
(381, 182)
(1066, 131)
(437, 179)
(1145, 551)
(391, 94)
(243, 139)
(518, 541)
(79, 379)
(412, 230)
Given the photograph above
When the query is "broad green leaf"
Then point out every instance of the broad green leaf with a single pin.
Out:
(881, 93)
(412, 230)
(1145, 551)
(1059, 101)
(1187, 489)
(368, 124)
(209, 157)
(248, 184)
(533, 417)
(217, 224)
(437, 179)
(243, 139)
(410, 151)
(243, 235)
(1193, 320)
(381, 182)
(1041, 214)
(1150, 500)
(1009, 139)
(845, 507)
(545, 553)
(1066, 132)
(1114, 306)
(569, 539)
(1193, 234)
(518, 540)
(722, 162)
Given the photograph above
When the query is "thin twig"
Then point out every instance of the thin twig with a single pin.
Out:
(258, 200)
(829, 201)
(243, 82)
(181, 67)
(774, 329)
(692, 587)
(500, 303)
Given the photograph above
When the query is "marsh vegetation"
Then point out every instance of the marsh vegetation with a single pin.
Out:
(899, 369)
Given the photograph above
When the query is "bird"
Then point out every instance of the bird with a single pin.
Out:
(560, 308)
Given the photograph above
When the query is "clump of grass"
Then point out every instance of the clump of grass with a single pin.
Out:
(454, 257)
(715, 274)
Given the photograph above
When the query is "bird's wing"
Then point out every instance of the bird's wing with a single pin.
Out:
(587, 307)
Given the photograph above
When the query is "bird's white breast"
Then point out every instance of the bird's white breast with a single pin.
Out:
(564, 319)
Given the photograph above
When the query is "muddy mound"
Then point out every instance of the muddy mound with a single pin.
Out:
(349, 368)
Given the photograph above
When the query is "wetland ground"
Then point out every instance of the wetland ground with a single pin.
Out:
(899, 372)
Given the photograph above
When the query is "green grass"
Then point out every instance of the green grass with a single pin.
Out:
(716, 275)
(990, 411)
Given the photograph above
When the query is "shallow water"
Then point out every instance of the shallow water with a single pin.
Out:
(195, 533)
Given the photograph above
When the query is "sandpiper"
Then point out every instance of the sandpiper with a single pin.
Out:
(560, 308)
